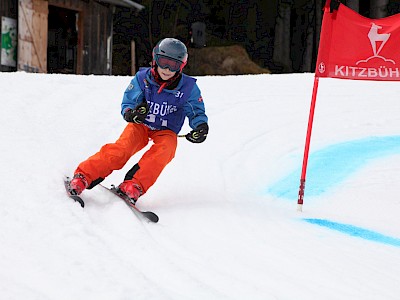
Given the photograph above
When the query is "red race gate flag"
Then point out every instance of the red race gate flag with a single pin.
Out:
(352, 47)
(355, 47)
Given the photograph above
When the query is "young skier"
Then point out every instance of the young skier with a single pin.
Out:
(155, 105)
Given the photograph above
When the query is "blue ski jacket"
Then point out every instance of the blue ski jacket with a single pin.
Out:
(168, 108)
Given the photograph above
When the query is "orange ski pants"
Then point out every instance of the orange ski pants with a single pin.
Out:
(133, 139)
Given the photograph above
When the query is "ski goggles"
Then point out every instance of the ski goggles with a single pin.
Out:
(165, 62)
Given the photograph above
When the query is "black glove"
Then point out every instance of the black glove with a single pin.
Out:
(137, 115)
(199, 134)
(334, 5)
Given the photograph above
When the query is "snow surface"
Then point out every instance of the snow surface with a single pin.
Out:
(229, 228)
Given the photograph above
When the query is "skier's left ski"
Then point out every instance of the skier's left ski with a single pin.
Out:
(77, 198)
(149, 215)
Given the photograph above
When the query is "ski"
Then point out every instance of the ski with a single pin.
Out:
(77, 198)
(149, 215)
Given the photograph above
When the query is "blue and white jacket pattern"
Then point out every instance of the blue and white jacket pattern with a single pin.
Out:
(169, 107)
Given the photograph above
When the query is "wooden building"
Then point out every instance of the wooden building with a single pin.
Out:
(8, 14)
(61, 36)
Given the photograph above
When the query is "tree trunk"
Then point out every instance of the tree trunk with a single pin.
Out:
(318, 21)
(309, 44)
(150, 19)
(353, 4)
(176, 21)
(282, 37)
(378, 8)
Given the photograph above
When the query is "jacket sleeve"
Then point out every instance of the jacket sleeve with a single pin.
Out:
(194, 108)
(133, 95)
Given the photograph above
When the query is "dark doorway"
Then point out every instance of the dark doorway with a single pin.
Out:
(62, 40)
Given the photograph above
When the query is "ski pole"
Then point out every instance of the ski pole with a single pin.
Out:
(181, 135)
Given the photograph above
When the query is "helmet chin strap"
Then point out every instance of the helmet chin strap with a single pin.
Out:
(160, 81)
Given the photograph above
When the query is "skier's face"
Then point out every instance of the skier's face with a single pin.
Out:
(166, 73)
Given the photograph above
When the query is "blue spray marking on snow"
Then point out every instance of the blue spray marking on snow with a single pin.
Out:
(356, 231)
(330, 166)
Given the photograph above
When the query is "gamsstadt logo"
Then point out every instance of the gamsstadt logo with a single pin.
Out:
(361, 70)
(377, 39)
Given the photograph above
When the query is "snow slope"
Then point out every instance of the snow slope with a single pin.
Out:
(228, 226)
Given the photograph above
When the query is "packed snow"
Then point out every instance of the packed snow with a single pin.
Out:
(229, 226)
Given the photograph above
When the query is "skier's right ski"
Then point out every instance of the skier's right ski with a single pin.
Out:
(78, 199)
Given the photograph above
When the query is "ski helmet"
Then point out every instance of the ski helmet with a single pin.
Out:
(170, 53)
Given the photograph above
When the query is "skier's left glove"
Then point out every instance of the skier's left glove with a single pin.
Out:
(199, 134)
(137, 115)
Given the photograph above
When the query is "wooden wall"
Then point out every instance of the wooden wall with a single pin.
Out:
(32, 36)
(9, 9)
(97, 30)
(94, 29)
(94, 33)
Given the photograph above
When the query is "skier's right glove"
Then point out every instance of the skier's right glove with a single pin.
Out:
(137, 115)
